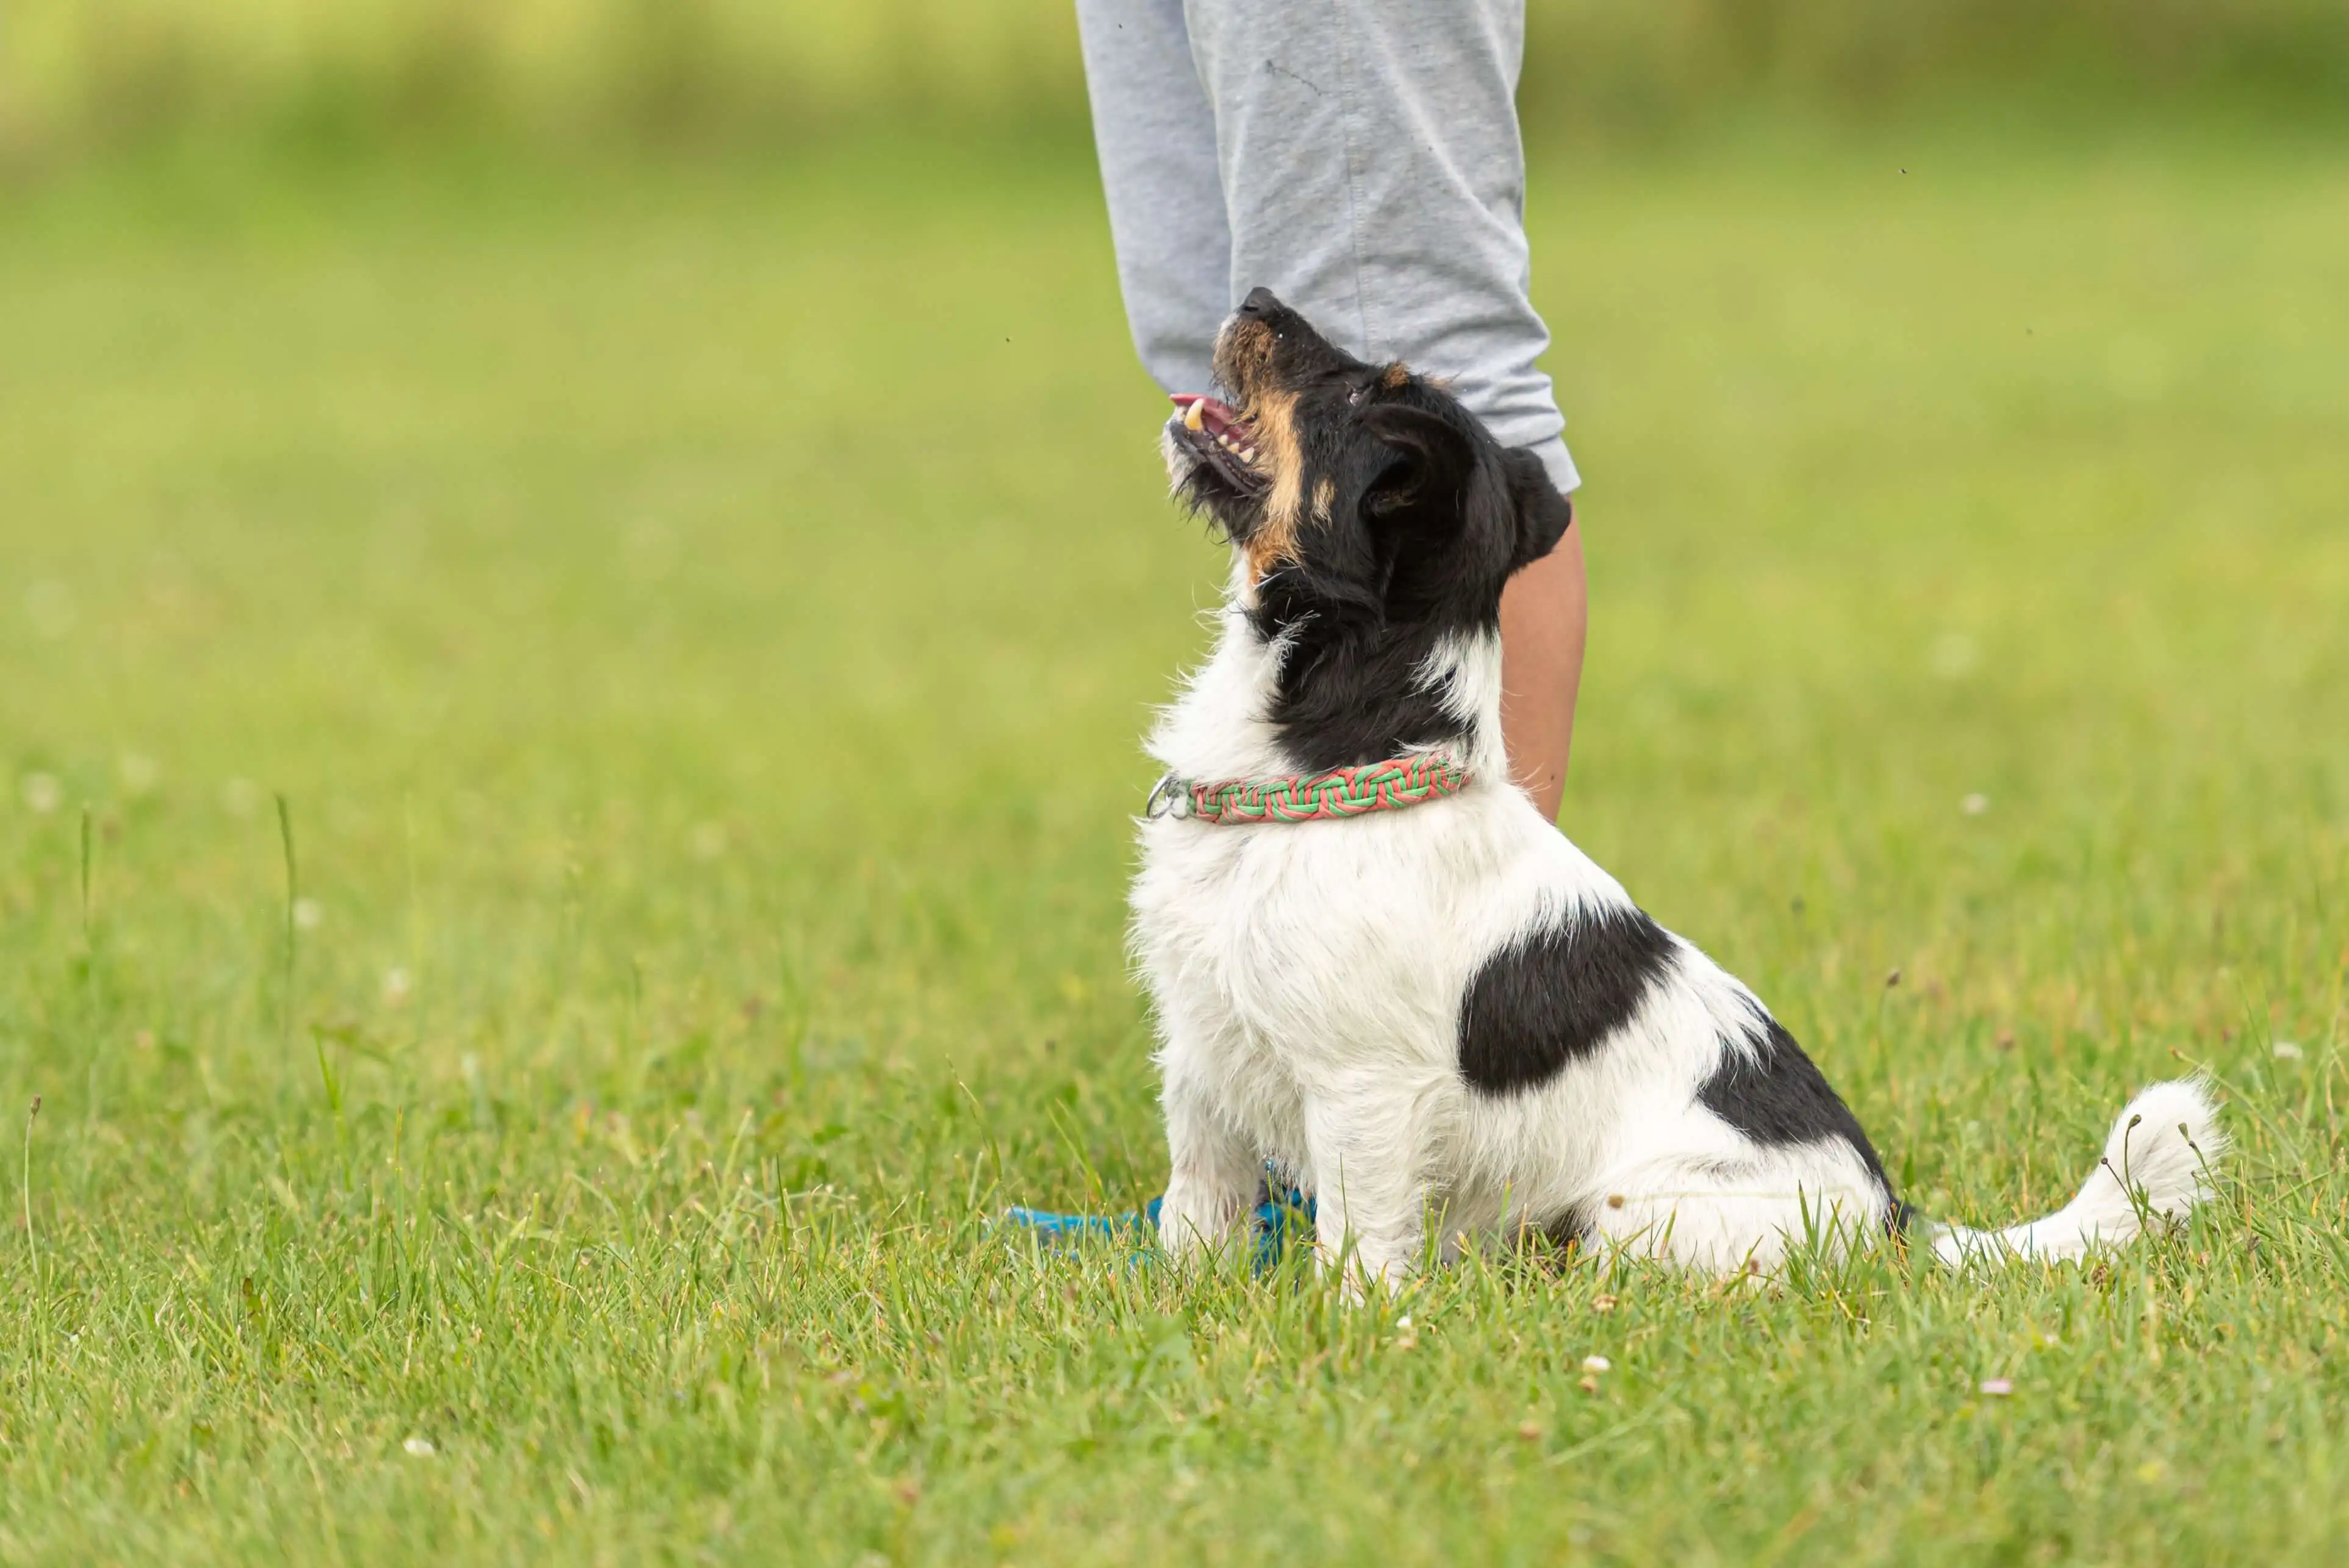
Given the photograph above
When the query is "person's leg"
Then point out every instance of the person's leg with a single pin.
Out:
(1157, 142)
(1372, 178)
(1544, 611)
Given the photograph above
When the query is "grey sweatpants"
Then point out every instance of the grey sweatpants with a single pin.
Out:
(1359, 158)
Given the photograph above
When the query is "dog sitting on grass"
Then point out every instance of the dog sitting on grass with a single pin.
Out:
(1377, 967)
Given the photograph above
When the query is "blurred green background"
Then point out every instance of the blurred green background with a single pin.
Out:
(81, 73)
(662, 492)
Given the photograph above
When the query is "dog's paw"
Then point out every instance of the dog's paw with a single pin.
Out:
(1198, 1215)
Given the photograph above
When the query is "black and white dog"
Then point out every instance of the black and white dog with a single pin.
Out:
(1444, 1012)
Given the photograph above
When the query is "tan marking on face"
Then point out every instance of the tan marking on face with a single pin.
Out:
(1243, 355)
(1277, 458)
(1325, 496)
(1395, 375)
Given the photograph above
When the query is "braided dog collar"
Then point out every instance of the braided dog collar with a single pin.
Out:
(1343, 792)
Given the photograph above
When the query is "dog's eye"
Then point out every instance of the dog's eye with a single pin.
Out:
(1356, 395)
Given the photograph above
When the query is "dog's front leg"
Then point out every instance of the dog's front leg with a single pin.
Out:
(1368, 1155)
(1212, 1173)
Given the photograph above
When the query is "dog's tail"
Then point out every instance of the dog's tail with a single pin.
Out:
(2158, 1162)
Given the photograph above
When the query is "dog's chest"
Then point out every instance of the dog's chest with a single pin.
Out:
(1309, 947)
(1283, 957)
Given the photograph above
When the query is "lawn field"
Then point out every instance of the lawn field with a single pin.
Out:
(568, 732)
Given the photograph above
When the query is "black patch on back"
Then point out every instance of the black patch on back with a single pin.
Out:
(1775, 1095)
(1554, 999)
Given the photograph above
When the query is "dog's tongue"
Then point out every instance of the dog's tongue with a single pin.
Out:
(1201, 412)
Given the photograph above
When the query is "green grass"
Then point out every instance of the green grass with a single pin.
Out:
(699, 619)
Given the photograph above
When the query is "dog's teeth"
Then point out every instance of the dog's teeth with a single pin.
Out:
(1248, 454)
(1195, 417)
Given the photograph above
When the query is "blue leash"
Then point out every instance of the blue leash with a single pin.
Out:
(1282, 1215)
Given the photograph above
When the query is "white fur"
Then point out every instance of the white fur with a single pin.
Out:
(1307, 980)
(2158, 1165)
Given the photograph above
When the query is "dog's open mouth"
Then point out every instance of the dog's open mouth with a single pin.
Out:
(1221, 437)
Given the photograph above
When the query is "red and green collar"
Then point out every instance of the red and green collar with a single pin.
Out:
(1387, 786)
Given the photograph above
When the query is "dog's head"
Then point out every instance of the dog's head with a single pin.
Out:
(1362, 491)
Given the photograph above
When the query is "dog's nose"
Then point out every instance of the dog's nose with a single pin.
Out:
(1260, 302)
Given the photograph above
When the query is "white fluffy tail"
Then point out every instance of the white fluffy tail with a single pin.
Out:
(2158, 1164)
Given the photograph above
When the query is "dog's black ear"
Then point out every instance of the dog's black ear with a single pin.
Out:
(1541, 515)
(1431, 463)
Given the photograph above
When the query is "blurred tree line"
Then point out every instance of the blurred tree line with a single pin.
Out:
(79, 75)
